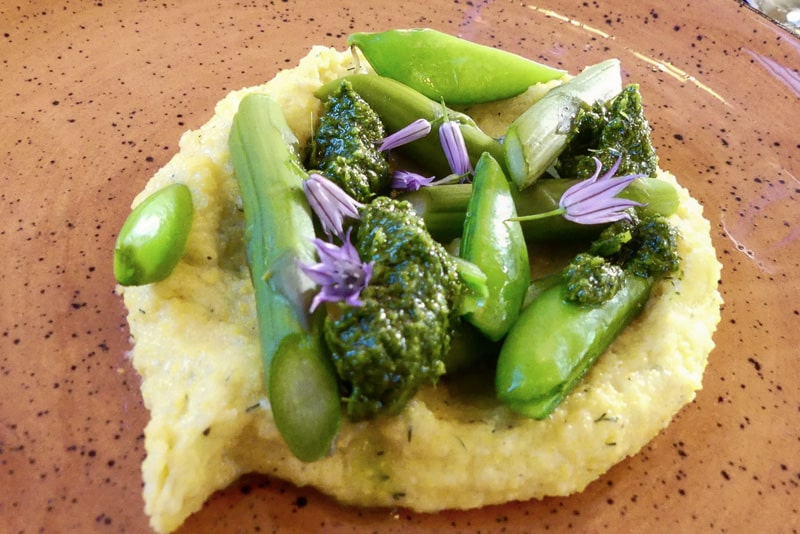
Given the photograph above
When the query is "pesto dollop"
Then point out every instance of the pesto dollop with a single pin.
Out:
(344, 147)
(608, 132)
(385, 349)
(646, 247)
(591, 279)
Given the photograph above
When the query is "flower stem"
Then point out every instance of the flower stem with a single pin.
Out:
(536, 216)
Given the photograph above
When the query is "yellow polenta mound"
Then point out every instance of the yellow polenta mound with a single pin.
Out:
(197, 350)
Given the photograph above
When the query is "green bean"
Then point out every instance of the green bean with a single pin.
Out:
(398, 105)
(536, 138)
(444, 207)
(153, 237)
(497, 246)
(278, 233)
(555, 342)
(442, 66)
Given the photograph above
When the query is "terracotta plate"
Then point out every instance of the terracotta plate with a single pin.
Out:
(94, 98)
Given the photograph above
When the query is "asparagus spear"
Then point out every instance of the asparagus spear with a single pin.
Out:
(300, 379)
(536, 138)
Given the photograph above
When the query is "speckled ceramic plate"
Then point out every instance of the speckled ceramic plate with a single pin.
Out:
(95, 96)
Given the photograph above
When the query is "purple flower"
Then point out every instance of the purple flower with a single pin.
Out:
(455, 149)
(330, 203)
(416, 130)
(410, 181)
(594, 200)
(340, 273)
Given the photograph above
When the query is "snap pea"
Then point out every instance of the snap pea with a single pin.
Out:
(536, 138)
(539, 286)
(152, 239)
(443, 66)
(399, 105)
(497, 246)
(555, 342)
(444, 207)
(278, 233)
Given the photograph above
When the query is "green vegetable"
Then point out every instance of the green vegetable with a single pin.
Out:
(468, 348)
(564, 329)
(303, 393)
(151, 241)
(385, 349)
(554, 343)
(474, 282)
(539, 286)
(609, 131)
(278, 233)
(444, 207)
(536, 138)
(497, 246)
(444, 67)
(344, 147)
(398, 105)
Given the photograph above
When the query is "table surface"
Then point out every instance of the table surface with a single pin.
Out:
(95, 97)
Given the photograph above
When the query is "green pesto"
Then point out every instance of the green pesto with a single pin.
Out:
(647, 248)
(591, 279)
(345, 145)
(607, 132)
(394, 343)
(655, 242)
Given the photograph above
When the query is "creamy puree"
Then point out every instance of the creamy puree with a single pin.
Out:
(197, 350)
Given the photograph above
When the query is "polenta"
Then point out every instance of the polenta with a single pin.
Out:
(196, 348)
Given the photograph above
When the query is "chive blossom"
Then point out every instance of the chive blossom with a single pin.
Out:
(330, 203)
(340, 273)
(455, 149)
(594, 200)
(410, 181)
(409, 133)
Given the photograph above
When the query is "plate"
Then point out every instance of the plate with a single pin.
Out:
(95, 97)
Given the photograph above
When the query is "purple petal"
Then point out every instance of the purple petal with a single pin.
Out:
(318, 299)
(595, 200)
(318, 273)
(599, 190)
(609, 212)
(340, 273)
(330, 203)
(455, 149)
(410, 181)
(328, 252)
(416, 130)
(574, 193)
